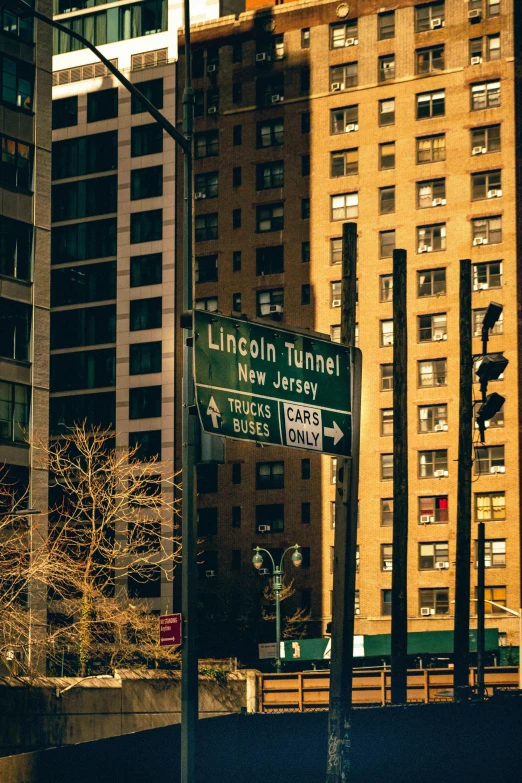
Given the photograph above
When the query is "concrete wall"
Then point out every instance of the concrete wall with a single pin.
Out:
(36, 717)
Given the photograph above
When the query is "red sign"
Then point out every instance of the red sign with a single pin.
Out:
(170, 630)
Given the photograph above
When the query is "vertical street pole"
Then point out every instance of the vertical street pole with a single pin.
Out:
(345, 542)
(480, 608)
(277, 585)
(462, 571)
(189, 652)
(399, 617)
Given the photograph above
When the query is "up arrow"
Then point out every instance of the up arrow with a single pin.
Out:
(334, 432)
(213, 412)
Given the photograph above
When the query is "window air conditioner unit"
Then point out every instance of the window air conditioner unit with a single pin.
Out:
(211, 68)
(350, 41)
(211, 110)
(478, 150)
(426, 519)
(494, 193)
(478, 241)
(425, 611)
(261, 57)
(210, 574)
(476, 60)
(388, 66)
(475, 14)
(439, 428)
(336, 302)
(264, 529)
(351, 127)
(439, 336)
(437, 202)
(277, 98)
(276, 308)
(441, 565)
(387, 565)
(435, 23)
(498, 469)
(480, 287)
(263, 571)
(424, 248)
(198, 196)
(336, 86)
(440, 473)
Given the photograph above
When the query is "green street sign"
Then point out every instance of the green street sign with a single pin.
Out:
(271, 385)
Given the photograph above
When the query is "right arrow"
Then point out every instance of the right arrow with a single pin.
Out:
(334, 432)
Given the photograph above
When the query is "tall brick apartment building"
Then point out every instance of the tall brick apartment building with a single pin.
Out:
(399, 116)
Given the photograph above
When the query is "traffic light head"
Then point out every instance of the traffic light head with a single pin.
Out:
(491, 367)
(492, 315)
(488, 409)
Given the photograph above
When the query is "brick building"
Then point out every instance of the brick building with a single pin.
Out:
(402, 117)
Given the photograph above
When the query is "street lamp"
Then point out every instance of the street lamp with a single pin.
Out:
(189, 663)
(277, 586)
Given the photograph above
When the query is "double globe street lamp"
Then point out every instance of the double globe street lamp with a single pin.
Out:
(277, 586)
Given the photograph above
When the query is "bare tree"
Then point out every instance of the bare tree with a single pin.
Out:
(112, 531)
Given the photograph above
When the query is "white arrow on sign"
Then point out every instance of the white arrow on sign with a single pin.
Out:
(213, 412)
(334, 432)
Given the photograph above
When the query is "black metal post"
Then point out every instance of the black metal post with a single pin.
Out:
(399, 617)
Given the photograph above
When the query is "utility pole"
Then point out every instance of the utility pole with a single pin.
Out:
(480, 608)
(345, 542)
(399, 617)
(462, 571)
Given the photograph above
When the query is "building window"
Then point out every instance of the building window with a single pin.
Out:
(343, 34)
(434, 600)
(386, 603)
(152, 90)
(305, 513)
(386, 512)
(88, 283)
(344, 206)
(102, 105)
(493, 7)
(433, 509)
(65, 113)
(16, 164)
(344, 120)
(387, 421)
(431, 282)
(430, 104)
(146, 139)
(206, 185)
(145, 270)
(494, 553)
(14, 412)
(485, 95)
(305, 122)
(206, 144)
(305, 469)
(269, 217)
(431, 148)
(432, 327)
(386, 377)
(17, 82)
(386, 333)
(344, 162)
(429, 60)
(336, 251)
(305, 38)
(335, 333)
(206, 269)
(486, 184)
(305, 165)
(387, 155)
(335, 293)
(305, 208)
(270, 475)
(387, 112)
(270, 302)
(145, 314)
(487, 230)
(386, 288)
(386, 25)
(433, 464)
(386, 557)
(490, 506)
(270, 175)
(305, 80)
(489, 459)
(236, 303)
(270, 90)
(429, 16)
(270, 518)
(236, 516)
(498, 596)
(84, 198)
(17, 26)
(486, 139)
(386, 67)
(305, 251)
(207, 520)
(16, 248)
(270, 133)
(433, 555)
(386, 467)
(342, 77)
(386, 243)
(145, 402)
(146, 226)
(147, 444)
(208, 303)
(236, 473)
(237, 135)
(236, 218)
(387, 200)
(144, 358)
(69, 328)
(431, 238)
(433, 418)
(478, 319)
(206, 227)
(305, 294)
(431, 193)
(146, 183)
